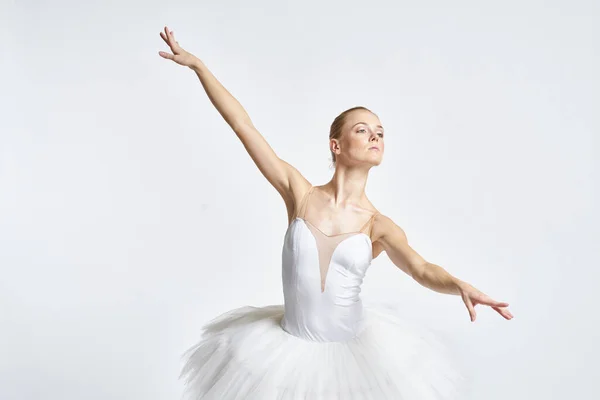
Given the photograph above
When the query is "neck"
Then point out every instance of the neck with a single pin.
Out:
(347, 186)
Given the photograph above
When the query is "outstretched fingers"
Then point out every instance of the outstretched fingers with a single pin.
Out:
(169, 38)
(472, 297)
(499, 306)
(164, 54)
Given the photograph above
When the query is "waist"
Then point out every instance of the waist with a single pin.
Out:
(323, 324)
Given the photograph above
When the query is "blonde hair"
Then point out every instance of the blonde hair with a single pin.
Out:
(335, 132)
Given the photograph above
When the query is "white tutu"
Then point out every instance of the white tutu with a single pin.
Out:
(245, 354)
(323, 344)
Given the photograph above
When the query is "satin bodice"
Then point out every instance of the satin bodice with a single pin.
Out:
(322, 277)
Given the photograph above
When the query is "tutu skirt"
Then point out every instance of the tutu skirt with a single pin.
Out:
(245, 354)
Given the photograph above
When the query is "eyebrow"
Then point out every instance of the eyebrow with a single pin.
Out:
(379, 126)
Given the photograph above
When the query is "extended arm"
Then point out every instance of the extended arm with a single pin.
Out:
(393, 240)
(278, 172)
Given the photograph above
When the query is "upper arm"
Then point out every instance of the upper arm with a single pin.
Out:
(393, 240)
(286, 179)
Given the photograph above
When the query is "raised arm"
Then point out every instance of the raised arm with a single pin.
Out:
(393, 240)
(278, 172)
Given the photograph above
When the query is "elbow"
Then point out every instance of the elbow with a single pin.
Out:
(240, 124)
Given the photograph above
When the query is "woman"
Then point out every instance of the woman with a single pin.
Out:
(322, 343)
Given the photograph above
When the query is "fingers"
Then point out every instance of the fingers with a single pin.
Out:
(493, 303)
(504, 312)
(488, 301)
(470, 307)
(162, 35)
(167, 35)
(169, 38)
(499, 306)
(168, 56)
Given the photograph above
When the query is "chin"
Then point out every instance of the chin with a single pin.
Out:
(376, 162)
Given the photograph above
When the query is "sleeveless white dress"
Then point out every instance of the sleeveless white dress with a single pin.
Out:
(322, 343)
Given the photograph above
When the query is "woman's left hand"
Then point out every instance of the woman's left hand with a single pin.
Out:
(471, 297)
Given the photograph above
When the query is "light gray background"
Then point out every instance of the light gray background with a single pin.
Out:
(130, 214)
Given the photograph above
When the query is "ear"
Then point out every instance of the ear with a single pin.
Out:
(334, 145)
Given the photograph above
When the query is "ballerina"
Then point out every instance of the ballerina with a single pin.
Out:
(322, 343)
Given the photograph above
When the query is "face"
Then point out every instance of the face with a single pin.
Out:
(361, 140)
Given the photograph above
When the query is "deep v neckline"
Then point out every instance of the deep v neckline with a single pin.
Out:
(327, 245)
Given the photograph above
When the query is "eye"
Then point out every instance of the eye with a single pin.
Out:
(364, 130)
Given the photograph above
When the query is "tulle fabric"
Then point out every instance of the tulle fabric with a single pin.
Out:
(245, 354)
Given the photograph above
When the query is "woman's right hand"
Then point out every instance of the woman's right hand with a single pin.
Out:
(180, 56)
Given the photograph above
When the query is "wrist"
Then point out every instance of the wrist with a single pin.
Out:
(459, 285)
(196, 65)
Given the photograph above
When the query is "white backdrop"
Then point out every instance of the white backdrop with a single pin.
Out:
(130, 214)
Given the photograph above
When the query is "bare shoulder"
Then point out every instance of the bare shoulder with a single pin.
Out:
(392, 239)
(384, 232)
(384, 228)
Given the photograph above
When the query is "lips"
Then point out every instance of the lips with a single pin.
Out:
(374, 148)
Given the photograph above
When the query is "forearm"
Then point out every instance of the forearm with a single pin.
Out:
(436, 278)
(227, 105)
